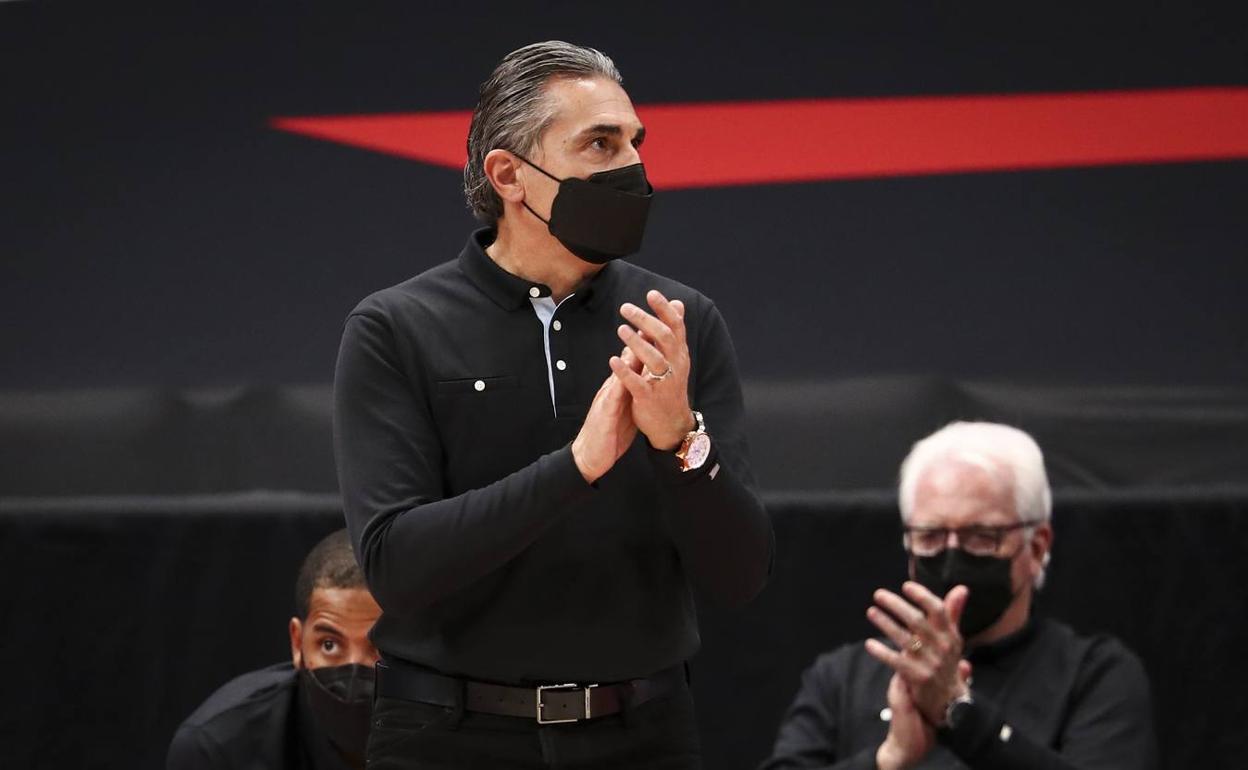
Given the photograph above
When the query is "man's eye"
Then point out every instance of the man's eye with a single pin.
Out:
(599, 144)
(980, 541)
(329, 646)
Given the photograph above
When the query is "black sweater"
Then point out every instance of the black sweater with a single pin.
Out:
(1069, 701)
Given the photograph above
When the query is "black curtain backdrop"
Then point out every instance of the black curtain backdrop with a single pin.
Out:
(130, 611)
(170, 265)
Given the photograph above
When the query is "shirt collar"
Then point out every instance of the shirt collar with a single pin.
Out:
(596, 288)
(1005, 646)
(512, 292)
(508, 291)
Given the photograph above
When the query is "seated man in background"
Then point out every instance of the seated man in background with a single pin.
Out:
(968, 678)
(312, 713)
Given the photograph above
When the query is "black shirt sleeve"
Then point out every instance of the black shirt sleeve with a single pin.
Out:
(194, 749)
(717, 522)
(1108, 727)
(415, 545)
(809, 734)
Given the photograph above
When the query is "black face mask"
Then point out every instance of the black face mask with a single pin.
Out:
(987, 578)
(603, 217)
(341, 701)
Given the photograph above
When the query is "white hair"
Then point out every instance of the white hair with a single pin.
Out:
(1006, 452)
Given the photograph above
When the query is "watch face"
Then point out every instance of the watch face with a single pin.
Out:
(699, 450)
(957, 712)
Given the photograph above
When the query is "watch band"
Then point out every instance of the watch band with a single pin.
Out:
(953, 714)
(696, 446)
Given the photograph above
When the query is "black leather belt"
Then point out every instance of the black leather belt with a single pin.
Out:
(548, 703)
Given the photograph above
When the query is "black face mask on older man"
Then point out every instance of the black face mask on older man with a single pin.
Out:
(986, 577)
(602, 217)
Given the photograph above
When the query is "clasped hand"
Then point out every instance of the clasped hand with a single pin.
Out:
(647, 389)
(929, 672)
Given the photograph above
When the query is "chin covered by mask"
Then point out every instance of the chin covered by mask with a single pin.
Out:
(986, 577)
(602, 217)
(341, 701)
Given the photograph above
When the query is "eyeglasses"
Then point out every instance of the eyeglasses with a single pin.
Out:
(976, 540)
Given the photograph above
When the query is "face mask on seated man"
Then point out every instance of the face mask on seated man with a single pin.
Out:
(313, 712)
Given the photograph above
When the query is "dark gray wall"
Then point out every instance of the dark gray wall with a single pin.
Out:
(154, 230)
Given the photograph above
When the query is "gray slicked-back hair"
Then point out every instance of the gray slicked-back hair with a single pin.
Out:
(512, 111)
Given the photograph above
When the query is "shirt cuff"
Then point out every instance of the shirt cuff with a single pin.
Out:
(979, 725)
(667, 466)
(564, 478)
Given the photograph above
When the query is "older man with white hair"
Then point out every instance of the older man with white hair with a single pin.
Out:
(965, 676)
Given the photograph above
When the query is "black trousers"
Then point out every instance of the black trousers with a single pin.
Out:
(660, 734)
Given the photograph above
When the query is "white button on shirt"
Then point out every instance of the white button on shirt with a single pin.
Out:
(557, 325)
(560, 365)
(535, 292)
(479, 385)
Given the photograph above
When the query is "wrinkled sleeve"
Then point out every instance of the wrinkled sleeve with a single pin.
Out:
(809, 733)
(1109, 727)
(415, 544)
(720, 527)
(193, 749)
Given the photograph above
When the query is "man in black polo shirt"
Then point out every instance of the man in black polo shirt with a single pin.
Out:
(531, 493)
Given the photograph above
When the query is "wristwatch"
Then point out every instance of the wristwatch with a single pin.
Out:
(696, 447)
(957, 710)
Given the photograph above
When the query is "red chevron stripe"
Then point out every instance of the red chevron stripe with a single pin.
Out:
(739, 143)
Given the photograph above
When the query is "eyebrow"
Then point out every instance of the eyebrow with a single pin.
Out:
(612, 129)
(326, 628)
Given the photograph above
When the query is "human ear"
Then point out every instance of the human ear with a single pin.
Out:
(500, 168)
(1041, 543)
(296, 642)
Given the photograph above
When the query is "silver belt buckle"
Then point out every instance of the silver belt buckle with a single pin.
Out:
(541, 720)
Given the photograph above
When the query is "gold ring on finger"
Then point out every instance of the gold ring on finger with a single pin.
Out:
(652, 377)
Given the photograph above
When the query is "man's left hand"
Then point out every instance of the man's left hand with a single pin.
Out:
(660, 390)
(925, 630)
(909, 737)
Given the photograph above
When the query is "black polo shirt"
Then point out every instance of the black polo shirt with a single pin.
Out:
(489, 554)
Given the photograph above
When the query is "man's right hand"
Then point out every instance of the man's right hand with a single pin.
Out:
(909, 736)
(608, 430)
